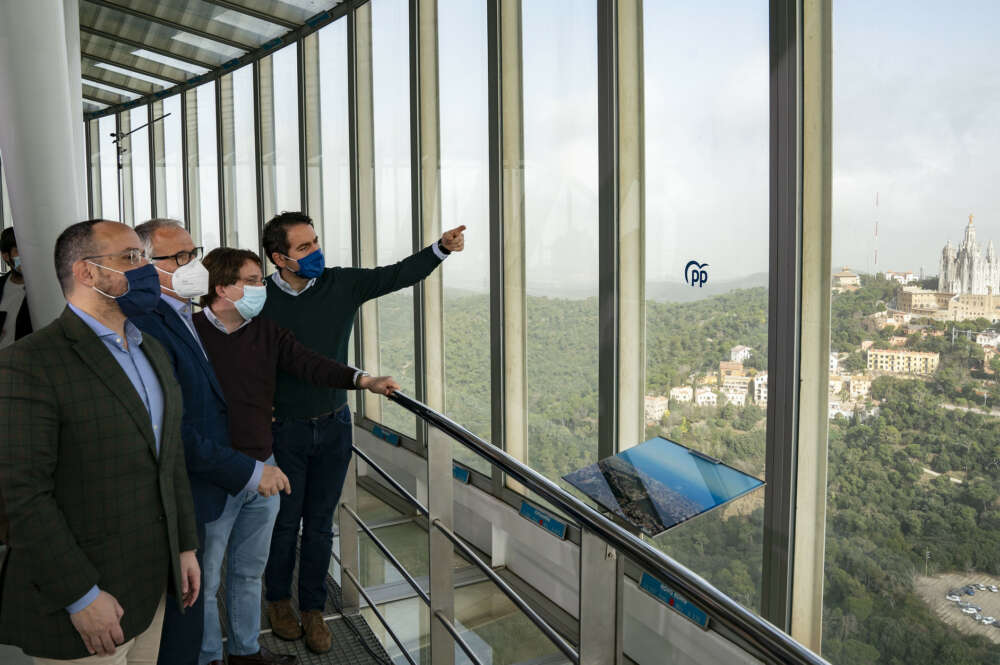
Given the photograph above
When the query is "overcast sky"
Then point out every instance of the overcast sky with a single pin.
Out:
(916, 108)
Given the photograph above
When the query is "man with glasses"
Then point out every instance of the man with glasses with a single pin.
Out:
(92, 468)
(215, 468)
(247, 352)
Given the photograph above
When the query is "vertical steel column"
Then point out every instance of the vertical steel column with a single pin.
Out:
(265, 114)
(123, 125)
(601, 574)
(158, 160)
(784, 312)
(226, 141)
(622, 226)
(150, 144)
(428, 316)
(189, 147)
(362, 130)
(814, 424)
(310, 130)
(508, 370)
(92, 142)
(258, 161)
(225, 156)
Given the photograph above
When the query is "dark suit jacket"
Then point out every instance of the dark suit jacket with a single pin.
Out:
(89, 500)
(214, 468)
(23, 321)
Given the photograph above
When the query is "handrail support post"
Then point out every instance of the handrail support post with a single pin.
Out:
(349, 540)
(600, 606)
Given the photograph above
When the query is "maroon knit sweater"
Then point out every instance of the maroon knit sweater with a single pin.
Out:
(246, 363)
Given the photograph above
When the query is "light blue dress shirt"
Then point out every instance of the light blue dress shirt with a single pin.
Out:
(140, 372)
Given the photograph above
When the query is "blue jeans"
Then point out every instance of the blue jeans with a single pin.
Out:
(314, 454)
(243, 535)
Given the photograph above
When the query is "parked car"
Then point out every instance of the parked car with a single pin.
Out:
(989, 620)
(953, 597)
(977, 616)
(970, 591)
(980, 587)
(968, 610)
(964, 604)
(993, 588)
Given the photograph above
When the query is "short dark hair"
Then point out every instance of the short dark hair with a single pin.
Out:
(275, 236)
(7, 240)
(73, 244)
(224, 265)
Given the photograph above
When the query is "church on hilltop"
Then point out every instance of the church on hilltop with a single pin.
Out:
(965, 270)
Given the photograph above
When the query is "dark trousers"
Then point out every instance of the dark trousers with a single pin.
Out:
(180, 643)
(314, 454)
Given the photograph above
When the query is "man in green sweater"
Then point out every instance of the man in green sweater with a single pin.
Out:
(312, 428)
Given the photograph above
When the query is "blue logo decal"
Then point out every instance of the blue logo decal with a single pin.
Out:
(695, 274)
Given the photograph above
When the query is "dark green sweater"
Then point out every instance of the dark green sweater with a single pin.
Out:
(322, 316)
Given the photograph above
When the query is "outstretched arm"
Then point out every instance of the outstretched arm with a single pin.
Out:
(376, 282)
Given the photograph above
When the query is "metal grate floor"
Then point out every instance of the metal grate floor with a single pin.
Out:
(348, 648)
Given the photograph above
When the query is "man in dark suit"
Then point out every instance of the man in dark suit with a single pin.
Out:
(216, 470)
(15, 319)
(92, 468)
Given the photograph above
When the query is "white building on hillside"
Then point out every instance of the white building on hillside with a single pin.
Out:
(705, 397)
(681, 394)
(739, 354)
(760, 389)
(654, 407)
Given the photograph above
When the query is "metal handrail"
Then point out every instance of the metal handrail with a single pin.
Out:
(762, 635)
(450, 627)
(381, 617)
(395, 484)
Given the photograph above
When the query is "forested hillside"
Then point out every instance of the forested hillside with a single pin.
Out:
(884, 511)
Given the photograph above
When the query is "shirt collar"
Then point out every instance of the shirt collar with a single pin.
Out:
(285, 286)
(215, 321)
(132, 334)
(184, 308)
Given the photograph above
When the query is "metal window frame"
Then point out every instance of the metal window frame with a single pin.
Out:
(508, 358)
(132, 68)
(93, 196)
(154, 206)
(191, 158)
(256, 13)
(784, 312)
(182, 27)
(116, 86)
(123, 126)
(86, 29)
(225, 139)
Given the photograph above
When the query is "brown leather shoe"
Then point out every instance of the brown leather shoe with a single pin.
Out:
(318, 637)
(263, 657)
(283, 621)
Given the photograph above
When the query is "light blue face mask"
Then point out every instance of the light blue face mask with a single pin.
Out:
(252, 301)
(17, 264)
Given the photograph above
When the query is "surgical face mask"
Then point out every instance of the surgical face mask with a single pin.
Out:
(252, 301)
(190, 280)
(143, 290)
(310, 265)
(17, 264)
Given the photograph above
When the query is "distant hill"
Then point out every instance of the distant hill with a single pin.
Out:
(681, 292)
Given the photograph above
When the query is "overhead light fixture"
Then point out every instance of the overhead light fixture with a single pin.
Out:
(170, 62)
(135, 75)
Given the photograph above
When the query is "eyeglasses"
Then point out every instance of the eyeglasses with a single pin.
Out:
(251, 282)
(182, 257)
(133, 256)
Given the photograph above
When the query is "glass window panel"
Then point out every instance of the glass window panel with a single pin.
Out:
(914, 462)
(393, 221)
(139, 143)
(334, 137)
(241, 175)
(208, 170)
(706, 133)
(173, 174)
(561, 183)
(286, 129)
(464, 145)
(110, 205)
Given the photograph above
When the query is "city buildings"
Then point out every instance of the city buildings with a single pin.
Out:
(902, 277)
(705, 397)
(859, 387)
(834, 362)
(965, 270)
(760, 389)
(681, 394)
(730, 368)
(900, 361)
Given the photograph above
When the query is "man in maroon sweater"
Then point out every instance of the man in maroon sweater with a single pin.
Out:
(246, 352)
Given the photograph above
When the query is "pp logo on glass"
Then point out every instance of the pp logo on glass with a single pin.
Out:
(695, 274)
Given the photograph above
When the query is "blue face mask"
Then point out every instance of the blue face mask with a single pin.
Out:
(310, 265)
(252, 301)
(143, 290)
(17, 264)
